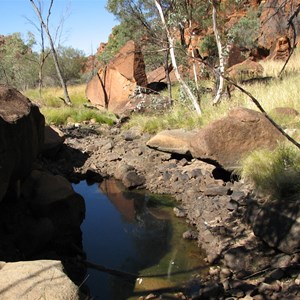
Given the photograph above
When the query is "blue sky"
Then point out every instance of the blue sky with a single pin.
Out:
(86, 25)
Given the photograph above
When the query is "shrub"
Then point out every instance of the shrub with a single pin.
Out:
(245, 32)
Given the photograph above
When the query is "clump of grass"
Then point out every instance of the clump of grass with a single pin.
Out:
(276, 172)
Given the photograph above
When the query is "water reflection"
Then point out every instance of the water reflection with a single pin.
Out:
(121, 232)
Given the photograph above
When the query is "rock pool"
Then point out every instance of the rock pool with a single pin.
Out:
(135, 232)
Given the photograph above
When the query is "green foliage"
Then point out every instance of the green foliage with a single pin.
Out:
(120, 35)
(18, 66)
(274, 172)
(209, 45)
(245, 32)
(71, 62)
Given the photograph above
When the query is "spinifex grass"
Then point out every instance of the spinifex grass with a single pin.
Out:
(274, 172)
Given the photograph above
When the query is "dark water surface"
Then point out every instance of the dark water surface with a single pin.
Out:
(123, 231)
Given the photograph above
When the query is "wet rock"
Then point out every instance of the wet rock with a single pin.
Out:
(131, 179)
(121, 169)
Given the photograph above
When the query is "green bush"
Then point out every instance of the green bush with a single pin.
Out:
(245, 32)
(274, 172)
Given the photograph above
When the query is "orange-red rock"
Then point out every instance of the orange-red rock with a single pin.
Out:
(281, 49)
(113, 85)
(245, 70)
(274, 21)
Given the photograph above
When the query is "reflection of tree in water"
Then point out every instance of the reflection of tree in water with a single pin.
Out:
(150, 235)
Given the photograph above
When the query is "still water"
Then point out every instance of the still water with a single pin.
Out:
(127, 231)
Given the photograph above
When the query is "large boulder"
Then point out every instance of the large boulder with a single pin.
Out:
(41, 279)
(112, 85)
(226, 141)
(245, 70)
(52, 196)
(53, 140)
(21, 137)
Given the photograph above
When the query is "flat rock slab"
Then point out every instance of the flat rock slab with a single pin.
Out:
(172, 141)
(41, 279)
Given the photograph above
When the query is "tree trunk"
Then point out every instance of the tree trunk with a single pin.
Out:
(174, 63)
(167, 72)
(67, 99)
(220, 71)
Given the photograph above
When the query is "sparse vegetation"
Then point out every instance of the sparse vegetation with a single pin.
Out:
(57, 113)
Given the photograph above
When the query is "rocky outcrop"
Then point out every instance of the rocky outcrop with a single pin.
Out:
(113, 85)
(281, 49)
(21, 137)
(274, 20)
(41, 279)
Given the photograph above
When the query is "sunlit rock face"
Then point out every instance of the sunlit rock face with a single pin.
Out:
(274, 20)
(112, 85)
(21, 137)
